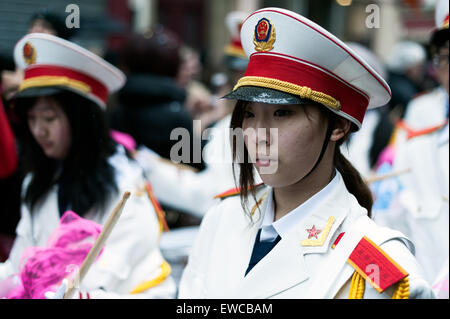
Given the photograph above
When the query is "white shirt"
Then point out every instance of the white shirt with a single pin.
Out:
(271, 229)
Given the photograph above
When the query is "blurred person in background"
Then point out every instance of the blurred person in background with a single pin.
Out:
(406, 65)
(419, 206)
(43, 21)
(361, 148)
(431, 108)
(151, 104)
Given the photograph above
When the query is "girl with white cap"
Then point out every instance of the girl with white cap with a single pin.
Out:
(73, 164)
(305, 232)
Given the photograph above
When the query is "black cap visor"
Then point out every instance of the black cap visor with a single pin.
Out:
(265, 95)
(39, 91)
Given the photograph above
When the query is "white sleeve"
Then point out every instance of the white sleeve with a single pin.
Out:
(183, 189)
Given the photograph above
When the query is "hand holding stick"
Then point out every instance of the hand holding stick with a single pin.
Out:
(98, 244)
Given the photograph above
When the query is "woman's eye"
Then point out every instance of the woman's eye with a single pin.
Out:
(248, 114)
(282, 112)
(50, 119)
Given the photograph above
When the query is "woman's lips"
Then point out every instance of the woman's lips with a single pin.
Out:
(263, 162)
(45, 145)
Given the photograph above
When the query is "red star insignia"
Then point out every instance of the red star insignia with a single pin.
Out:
(313, 232)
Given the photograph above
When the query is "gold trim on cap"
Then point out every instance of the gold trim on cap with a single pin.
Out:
(46, 80)
(302, 91)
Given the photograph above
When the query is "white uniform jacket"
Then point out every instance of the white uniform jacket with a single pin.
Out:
(185, 189)
(293, 268)
(131, 255)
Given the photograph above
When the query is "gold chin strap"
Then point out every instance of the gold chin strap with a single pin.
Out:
(357, 287)
(302, 91)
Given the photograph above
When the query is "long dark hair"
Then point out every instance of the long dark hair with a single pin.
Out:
(352, 178)
(85, 174)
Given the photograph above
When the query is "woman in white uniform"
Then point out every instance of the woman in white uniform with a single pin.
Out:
(72, 164)
(305, 233)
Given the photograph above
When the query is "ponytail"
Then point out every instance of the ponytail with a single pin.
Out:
(353, 180)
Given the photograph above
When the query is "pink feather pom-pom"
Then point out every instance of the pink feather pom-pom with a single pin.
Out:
(43, 268)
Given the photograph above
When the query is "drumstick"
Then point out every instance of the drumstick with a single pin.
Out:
(98, 245)
(380, 177)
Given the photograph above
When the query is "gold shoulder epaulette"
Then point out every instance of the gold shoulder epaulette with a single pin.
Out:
(372, 264)
(379, 269)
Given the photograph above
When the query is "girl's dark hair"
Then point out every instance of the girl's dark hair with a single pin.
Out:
(85, 177)
(352, 179)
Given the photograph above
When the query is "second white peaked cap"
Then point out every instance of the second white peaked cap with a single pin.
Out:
(289, 53)
(49, 61)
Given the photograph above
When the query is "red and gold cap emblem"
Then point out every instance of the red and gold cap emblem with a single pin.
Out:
(29, 53)
(264, 36)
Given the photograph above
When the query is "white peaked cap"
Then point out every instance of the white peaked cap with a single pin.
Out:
(49, 61)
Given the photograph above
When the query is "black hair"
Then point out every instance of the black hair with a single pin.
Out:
(352, 178)
(55, 21)
(84, 176)
(438, 40)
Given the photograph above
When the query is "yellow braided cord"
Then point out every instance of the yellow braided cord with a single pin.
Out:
(357, 287)
(50, 80)
(165, 272)
(302, 91)
(402, 290)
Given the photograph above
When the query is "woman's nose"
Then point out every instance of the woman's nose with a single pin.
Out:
(262, 136)
(38, 129)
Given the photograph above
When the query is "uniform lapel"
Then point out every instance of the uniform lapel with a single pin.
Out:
(282, 268)
(326, 218)
(285, 266)
(232, 255)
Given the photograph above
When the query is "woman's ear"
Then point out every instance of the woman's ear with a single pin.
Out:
(341, 128)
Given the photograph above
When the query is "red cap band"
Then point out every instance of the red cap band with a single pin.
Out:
(293, 70)
(96, 87)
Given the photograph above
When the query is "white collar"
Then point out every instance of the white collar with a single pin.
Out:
(270, 229)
